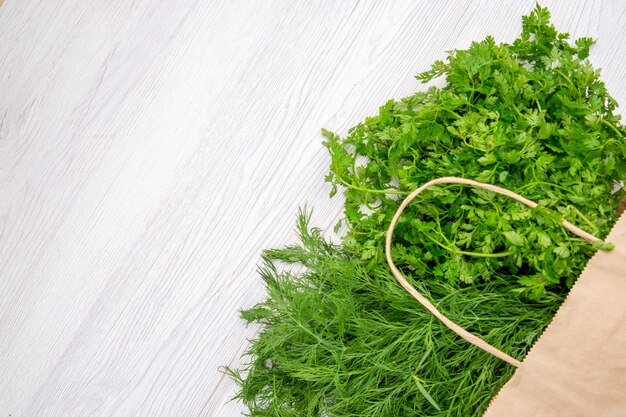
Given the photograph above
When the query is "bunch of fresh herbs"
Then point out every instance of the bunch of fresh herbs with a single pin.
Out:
(340, 337)
(532, 117)
(345, 339)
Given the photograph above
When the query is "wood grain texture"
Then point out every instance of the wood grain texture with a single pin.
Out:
(150, 149)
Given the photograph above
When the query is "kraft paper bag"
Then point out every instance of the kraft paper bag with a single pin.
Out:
(578, 366)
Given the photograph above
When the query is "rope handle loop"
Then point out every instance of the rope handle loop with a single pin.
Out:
(471, 338)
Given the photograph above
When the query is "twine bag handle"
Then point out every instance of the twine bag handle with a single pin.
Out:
(471, 338)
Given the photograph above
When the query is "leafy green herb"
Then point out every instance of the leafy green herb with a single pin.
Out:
(341, 338)
(531, 116)
(344, 340)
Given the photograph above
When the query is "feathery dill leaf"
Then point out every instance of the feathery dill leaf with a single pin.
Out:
(341, 339)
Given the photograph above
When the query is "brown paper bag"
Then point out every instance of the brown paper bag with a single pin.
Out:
(578, 366)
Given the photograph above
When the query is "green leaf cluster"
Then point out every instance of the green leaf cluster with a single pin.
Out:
(341, 338)
(533, 117)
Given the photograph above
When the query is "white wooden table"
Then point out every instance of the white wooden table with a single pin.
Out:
(150, 149)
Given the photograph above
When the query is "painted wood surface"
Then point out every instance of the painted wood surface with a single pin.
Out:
(150, 149)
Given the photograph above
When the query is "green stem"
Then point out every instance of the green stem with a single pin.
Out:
(585, 219)
(456, 115)
(368, 190)
(485, 255)
(567, 79)
(609, 124)
(516, 110)
(439, 229)
(475, 254)
(531, 184)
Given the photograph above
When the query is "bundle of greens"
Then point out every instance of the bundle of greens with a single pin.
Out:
(342, 338)
(532, 117)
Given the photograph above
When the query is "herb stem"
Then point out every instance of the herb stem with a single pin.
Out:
(532, 184)
(369, 190)
(610, 125)
(567, 79)
(474, 254)
(585, 219)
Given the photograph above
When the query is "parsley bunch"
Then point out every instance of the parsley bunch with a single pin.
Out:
(341, 338)
(531, 116)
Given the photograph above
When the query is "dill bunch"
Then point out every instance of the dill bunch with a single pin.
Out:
(342, 339)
